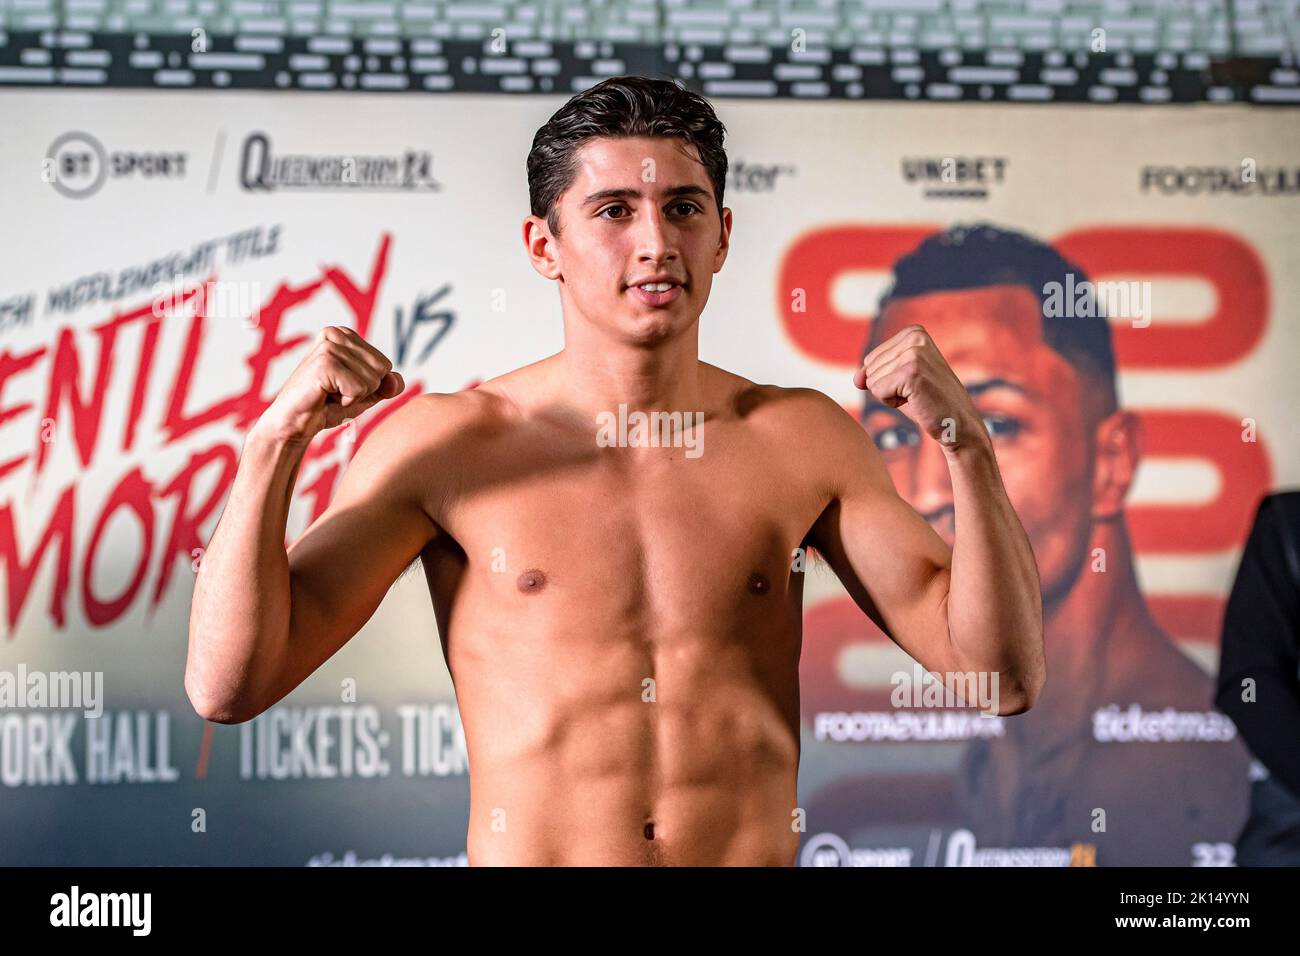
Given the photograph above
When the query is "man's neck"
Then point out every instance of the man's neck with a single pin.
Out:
(594, 374)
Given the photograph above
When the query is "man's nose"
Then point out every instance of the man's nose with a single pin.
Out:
(655, 237)
(932, 483)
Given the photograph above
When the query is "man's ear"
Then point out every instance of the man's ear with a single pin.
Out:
(541, 247)
(1118, 451)
(724, 240)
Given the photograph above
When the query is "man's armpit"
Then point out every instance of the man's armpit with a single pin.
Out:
(812, 556)
(409, 568)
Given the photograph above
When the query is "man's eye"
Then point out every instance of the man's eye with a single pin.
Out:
(1001, 426)
(678, 207)
(899, 436)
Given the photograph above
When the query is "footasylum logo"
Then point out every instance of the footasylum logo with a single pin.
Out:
(1247, 179)
(133, 910)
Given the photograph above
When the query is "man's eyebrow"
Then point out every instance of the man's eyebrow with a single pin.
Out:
(627, 193)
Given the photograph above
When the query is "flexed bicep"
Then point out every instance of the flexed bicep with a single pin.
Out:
(893, 564)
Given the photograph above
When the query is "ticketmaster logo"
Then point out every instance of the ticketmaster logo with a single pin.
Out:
(1136, 725)
(103, 909)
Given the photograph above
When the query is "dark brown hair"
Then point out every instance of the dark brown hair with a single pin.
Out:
(620, 106)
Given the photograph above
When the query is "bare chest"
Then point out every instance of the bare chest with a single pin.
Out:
(638, 535)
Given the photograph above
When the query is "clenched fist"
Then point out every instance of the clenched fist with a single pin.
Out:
(341, 377)
(908, 372)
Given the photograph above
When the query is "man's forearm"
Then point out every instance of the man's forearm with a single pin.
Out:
(995, 614)
(239, 618)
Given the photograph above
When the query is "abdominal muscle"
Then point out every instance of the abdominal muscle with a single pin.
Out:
(577, 758)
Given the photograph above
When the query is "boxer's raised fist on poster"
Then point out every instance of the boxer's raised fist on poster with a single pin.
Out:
(341, 377)
(908, 372)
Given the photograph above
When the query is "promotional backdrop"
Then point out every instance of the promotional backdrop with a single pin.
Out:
(126, 385)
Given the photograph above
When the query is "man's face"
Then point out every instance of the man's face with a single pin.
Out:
(1030, 399)
(639, 207)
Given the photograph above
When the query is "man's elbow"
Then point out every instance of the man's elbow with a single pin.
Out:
(1018, 693)
(214, 707)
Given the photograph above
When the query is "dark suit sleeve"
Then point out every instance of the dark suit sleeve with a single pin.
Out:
(1260, 640)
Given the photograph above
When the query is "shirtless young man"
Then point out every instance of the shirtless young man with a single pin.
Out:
(622, 624)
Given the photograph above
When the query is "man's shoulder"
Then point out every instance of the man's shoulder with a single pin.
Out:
(811, 430)
(433, 421)
(796, 408)
(483, 404)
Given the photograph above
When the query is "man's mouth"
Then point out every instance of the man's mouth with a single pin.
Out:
(656, 293)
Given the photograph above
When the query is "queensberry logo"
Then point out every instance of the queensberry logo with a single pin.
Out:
(262, 170)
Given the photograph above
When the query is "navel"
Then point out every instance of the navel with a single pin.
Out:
(531, 581)
(649, 830)
(759, 584)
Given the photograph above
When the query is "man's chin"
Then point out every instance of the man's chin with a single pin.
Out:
(661, 321)
(647, 331)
